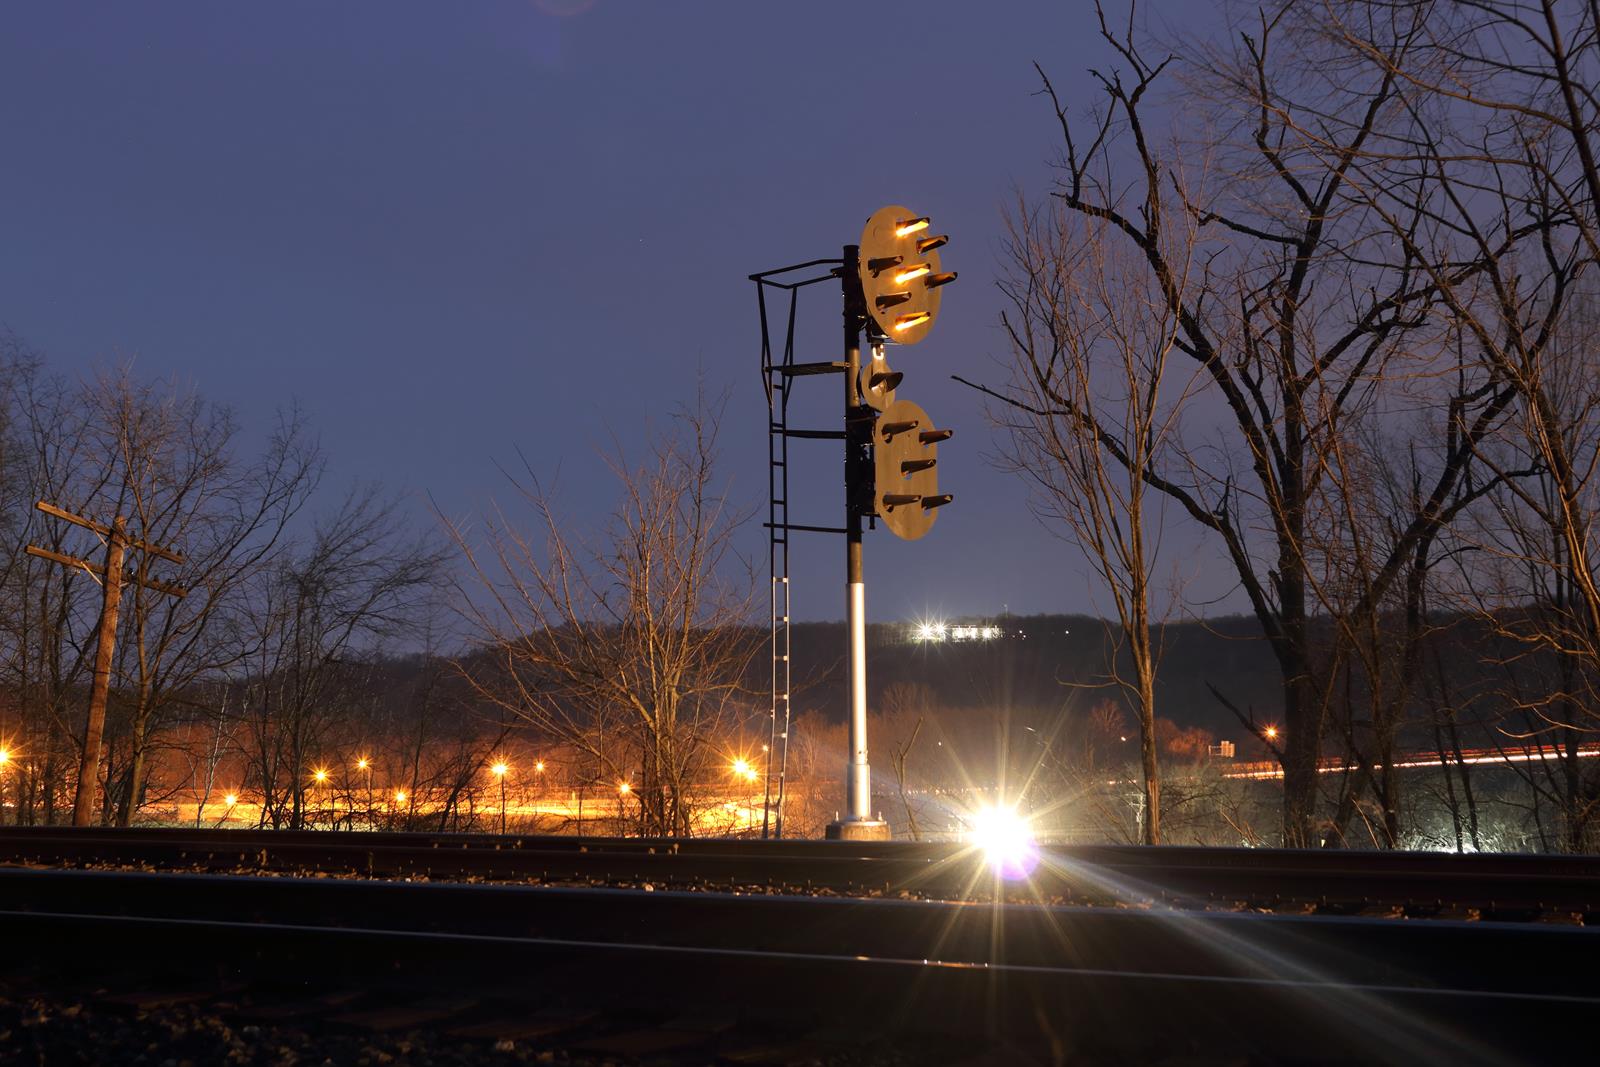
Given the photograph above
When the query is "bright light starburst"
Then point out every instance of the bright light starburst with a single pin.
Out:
(1006, 841)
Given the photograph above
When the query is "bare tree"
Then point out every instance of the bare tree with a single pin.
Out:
(1498, 117)
(903, 709)
(178, 478)
(319, 618)
(1091, 408)
(630, 650)
(1302, 324)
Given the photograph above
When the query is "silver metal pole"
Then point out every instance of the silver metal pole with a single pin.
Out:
(858, 822)
(859, 789)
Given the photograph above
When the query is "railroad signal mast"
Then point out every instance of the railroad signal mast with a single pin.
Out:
(892, 283)
(111, 579)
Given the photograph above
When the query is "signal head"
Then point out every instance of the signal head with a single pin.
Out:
(900, 275)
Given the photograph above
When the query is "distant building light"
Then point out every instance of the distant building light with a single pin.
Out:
(940, 631)
(1222, 750)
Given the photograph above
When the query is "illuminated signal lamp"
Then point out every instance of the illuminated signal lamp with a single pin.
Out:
(916, 318)
(916, 270)
(907, 227)
(1006, 841)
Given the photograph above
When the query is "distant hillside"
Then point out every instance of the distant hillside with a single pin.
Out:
(1046, 661)
(1059, 662)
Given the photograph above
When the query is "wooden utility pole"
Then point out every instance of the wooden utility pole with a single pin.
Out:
(117, 545)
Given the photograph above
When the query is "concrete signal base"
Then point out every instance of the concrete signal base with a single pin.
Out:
(858, 830)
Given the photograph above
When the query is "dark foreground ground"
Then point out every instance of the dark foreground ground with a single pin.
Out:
(148, 1030)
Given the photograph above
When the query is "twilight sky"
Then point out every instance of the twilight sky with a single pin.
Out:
(453, 231)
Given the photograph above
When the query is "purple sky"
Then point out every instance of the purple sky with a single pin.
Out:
(455, 231)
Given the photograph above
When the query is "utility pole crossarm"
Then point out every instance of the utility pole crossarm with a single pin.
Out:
(105, 531)
(97, 569)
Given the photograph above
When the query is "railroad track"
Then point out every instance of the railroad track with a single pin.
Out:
(1025, 983)
(1562, 889)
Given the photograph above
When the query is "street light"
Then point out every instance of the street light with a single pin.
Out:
(500, 770)
(365, 764)
(538, 770)
(231, 799)
(1271, 733)
(319, 777)
(742, 768)
(5, 758)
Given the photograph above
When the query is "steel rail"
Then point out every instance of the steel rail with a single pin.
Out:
(1030, 976)
(1533, 885)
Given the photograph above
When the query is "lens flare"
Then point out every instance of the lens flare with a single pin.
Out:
(1006, 841)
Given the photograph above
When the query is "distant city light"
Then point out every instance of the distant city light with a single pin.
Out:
(741, 767)
(939, 630)
(539, 767)
(1271, 732)
(624, 788)
(363, 763)
(1006, 841)
(231, 799)
(320, 775)
(399, 796)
